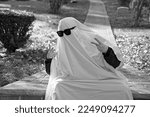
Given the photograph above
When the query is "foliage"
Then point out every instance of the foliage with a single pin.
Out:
(14, 26)
(136, 50)
(55, 5)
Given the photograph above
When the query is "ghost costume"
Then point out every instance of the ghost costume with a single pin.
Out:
(80, 72)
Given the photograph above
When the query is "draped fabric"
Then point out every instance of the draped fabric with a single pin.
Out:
(79, 70)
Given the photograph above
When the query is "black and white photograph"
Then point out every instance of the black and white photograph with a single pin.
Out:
(74, 49)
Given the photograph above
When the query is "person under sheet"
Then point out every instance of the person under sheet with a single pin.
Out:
(84, 66)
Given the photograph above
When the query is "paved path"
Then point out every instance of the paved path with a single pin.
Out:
(34, 87)
(98, 20)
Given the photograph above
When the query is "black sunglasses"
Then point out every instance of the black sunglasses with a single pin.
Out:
(66, 31)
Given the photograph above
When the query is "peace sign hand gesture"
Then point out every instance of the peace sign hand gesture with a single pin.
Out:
(100, 46)
(51, 52)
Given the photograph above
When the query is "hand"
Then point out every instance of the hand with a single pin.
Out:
(51, 52)
(100, 46)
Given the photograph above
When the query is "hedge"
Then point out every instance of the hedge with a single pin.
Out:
(14, 26)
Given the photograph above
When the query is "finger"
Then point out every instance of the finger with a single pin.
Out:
(97, 45)
(51, 51)
(97, 40)
(94, 43)
(53, 48)
(49, 46)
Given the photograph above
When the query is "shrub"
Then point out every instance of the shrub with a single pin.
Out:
(14, 26)
(55, 5)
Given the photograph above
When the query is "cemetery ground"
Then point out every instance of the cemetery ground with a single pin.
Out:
(133, 41)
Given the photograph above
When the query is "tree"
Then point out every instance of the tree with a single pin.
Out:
(137, 7)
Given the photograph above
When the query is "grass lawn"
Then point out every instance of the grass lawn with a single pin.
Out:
(27, 61)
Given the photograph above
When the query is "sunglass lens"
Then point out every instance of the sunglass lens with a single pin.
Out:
(60, 33)
(67, 31)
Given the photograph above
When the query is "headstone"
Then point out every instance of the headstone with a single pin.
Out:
(123, 12)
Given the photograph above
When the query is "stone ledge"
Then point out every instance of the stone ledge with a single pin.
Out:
(34, 87)
(23, 97)
(139, 96)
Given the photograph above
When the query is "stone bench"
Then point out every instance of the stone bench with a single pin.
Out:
(33, 88)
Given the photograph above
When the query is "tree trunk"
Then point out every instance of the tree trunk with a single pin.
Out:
(138, 12)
